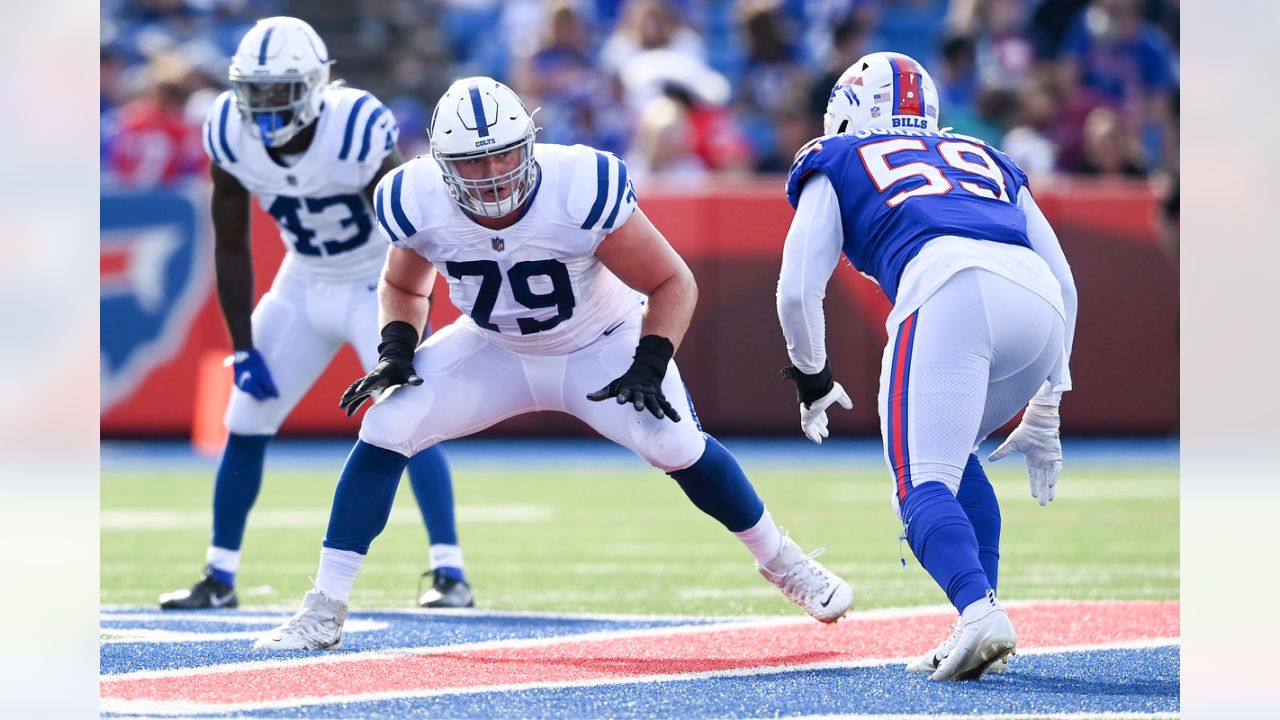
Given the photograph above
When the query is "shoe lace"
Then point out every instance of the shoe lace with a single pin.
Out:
(943, 650)
(312, 623)
(805, 580)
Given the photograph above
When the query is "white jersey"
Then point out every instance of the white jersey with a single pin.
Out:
(318, 202)
(538, 285)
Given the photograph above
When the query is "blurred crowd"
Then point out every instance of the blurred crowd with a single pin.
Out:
(685, 91)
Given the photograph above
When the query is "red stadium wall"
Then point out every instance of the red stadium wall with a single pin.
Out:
(1125, 365)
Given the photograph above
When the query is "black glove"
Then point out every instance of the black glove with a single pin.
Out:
(810, 387)
(394, 368)
(641, 384)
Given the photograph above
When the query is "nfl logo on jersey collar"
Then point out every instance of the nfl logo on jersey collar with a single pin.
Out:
(498, 243)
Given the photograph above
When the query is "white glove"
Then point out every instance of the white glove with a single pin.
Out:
(1036, 437)
(813, 419)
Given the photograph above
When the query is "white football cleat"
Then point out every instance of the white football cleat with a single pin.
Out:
(807, 583)
(930, 660)
(985, 637)
(316, 626)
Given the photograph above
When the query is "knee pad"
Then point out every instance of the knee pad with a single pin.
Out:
(247, 415)
(670, 448)
(395, 421)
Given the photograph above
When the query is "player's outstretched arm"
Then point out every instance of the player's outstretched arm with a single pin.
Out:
(404, 303)
(809, 257)
(1045, 243)
(1037, 436)
(233, 260)
(643, 259)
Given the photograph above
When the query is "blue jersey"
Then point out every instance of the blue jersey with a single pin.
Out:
(899, 189)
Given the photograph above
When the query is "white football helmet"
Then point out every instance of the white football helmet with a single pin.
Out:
(476, 118)
(277, 74)
(882, 90)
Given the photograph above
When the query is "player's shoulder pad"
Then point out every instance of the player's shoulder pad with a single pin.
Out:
(367, 126)
(220, 125)
(404, 196)
(1019, 175)
(600, 194)
(1009, 164)
(813, 156)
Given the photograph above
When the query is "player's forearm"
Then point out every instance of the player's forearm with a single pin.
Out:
(670, 308)
(397, 303)
(804, 327)
(809, 257)
(234, 266)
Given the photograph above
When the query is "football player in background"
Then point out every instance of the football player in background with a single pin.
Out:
(311, 152)
(983, 317)
(572, 301)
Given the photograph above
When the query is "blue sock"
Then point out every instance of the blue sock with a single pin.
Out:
(942, 539)
(235, 487)
(451, 572)
(717, 485)
(362, 501)
(433, 487)
(222, 576)
(978, 500)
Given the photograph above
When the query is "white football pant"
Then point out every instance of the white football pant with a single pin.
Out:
(470, 383)
(298, 326)
(959, 368)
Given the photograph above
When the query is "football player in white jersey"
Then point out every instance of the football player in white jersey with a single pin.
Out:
(311, 152)
(572, 302)
(982, 325)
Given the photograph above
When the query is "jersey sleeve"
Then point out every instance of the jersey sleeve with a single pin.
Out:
(809, 257)
(808, 161)
(214, 131)
(396, 205)
(602, 197)
(1044, 241)
(369, 131)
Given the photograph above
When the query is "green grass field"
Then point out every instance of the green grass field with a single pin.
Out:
(621, 537)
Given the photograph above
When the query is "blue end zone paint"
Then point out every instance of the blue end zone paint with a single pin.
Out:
(1091, 682)
(404, 630)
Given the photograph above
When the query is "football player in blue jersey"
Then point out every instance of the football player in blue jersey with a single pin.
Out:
(312, 152)
(572, 301)
(983, 317)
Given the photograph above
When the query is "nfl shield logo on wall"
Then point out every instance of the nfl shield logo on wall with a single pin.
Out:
(498, 243)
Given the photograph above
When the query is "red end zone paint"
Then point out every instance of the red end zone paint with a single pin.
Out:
(715, 649)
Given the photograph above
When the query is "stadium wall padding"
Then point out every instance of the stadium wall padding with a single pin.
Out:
(160, 315)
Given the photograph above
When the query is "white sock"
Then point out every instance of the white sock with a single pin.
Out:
(763, 539)
(446, 556)
(223, 559)
(337, 573)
